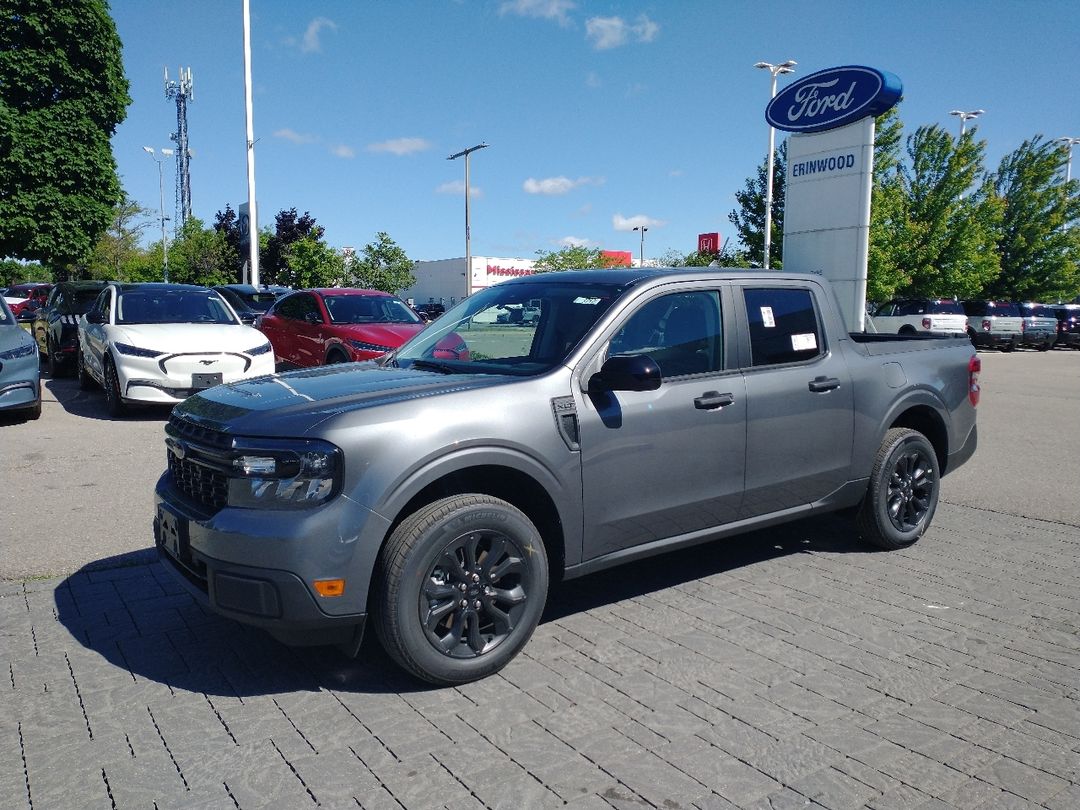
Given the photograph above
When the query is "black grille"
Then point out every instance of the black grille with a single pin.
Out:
(202, 484)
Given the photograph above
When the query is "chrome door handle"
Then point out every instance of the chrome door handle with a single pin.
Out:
(711, 400)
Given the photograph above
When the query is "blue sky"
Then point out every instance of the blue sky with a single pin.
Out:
(600, 115)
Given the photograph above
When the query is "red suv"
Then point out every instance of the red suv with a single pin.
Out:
(29, 296)
(339, 325)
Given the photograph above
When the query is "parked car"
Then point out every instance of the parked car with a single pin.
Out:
(648, 411)
(910, 316)
(56, 325)
(159, 343)
(248, 301)
(341, 325)
(1068, 316)
(994, 324)
(20, 383)
(28, 296)
(1040, 326)
(429, 312)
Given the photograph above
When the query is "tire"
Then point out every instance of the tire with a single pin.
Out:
(459, 588)
(86, 382)
(57, 367)
(334, 358)
(907, 330)
(903, 493)
(1046, 347)
(113, 401)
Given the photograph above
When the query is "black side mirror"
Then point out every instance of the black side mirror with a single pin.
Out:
(626, 372)
(94, 316)
(313, 318)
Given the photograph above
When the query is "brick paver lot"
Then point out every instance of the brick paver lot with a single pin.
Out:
(788, 668)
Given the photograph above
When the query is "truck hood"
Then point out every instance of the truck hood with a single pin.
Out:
(295, 402)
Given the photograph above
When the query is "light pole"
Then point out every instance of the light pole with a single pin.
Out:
(468, 245)
(774, 70)
(641, 252)
(161, 204)
(1068, 143)
(964, 117)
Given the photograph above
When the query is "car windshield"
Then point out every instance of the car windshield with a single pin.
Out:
(368, 309)
(945, 306)
(523, 329)
(172, 306)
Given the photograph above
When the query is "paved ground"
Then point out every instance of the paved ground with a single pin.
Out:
(789, 668)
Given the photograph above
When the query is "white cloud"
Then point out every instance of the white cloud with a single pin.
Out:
(593, 81)
(342, 151)
(400, 146)
(680, 173)
(458, 187)
(606, 33)
(542, 9)
(621, 223)
(294, 137)
(311, 43)
(575, 241)
(553, 186)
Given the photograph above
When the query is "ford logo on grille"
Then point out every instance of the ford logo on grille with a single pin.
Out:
(176, 447)
(833, 98)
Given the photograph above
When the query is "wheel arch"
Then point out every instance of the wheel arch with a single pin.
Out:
(930, 423)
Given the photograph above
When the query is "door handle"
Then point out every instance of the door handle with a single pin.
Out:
(711, 400)
(821, 384)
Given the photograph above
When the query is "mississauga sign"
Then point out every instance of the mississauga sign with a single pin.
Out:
(833, 98)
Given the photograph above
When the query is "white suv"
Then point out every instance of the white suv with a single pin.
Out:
(908, 316)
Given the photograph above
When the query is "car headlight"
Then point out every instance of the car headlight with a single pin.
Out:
(260, 349)
(21, 351)
(369, 347)
(135, 351)
(284, 474)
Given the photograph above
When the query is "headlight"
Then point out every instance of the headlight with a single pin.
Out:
(369, 347)
(284, 474)
(135, 351)
(260, 349)
(21, 351)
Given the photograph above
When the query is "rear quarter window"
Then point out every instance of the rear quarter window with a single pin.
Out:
(783, 325)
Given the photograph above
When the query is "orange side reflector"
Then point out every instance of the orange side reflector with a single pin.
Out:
(329, 587)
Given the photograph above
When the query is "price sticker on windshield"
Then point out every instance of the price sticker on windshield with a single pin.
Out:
(767, 319)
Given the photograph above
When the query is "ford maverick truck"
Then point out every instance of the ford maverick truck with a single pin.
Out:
(640, 412)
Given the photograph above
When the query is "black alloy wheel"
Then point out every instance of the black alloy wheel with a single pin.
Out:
(903, 493)
(113, 399)
(912, 484)
(57, 367)
(86, 382)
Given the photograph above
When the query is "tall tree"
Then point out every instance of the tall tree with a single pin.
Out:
(381, 265)
(200, 255)
(117, 255)
(749, 219)
(62, 94)
(310, 263)
(1038, 250)
(288, 228)
(227, 223)
(573, 257)
(887, 210)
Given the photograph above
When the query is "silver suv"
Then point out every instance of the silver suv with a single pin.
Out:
(994, 324)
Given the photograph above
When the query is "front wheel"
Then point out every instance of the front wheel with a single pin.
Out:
(903, 493)
(460, 586)
(113, 399)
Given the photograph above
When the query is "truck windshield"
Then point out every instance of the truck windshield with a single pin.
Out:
(511, 328)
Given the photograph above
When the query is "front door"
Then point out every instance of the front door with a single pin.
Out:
(664, 463)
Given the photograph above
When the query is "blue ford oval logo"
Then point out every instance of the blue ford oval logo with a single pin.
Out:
(833, 98)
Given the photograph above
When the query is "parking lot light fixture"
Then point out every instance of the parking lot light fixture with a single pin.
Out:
(965, 116)
(1068, 143)
(161, 205)
(641, 252)
(774, 71)
(468, 248)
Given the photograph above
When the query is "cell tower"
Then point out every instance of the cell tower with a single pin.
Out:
(183, 90)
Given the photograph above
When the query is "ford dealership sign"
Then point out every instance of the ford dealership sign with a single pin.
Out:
(833, 98)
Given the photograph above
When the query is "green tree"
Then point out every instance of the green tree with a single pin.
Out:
(887, 209)
(574, 257)
(16, 272)
(311, 263)
(117, 254)
(381, 265)
(749, 219)
(1038, 250)
(288, 228)
(200, 255)
(228, 223)
(62, 94)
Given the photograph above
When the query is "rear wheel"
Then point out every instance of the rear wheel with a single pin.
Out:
(57, 367)
(336, 357)
(460, 586)
(903, 493)
(86, 382)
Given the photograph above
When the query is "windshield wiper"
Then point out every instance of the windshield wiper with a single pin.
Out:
(434, 365)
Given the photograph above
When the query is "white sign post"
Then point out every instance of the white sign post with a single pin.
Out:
(827, 211)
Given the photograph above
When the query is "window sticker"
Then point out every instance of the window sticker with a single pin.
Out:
(583, 300)
(803, 343)
(767, 319)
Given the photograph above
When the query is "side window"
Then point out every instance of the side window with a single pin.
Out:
(783, 324)
(296, 307)
(105, 304)
(681, 332)
(885, 310)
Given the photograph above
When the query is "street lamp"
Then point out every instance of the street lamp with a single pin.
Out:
(965, 117)
(1068, 143)
(161, 203)
(774, 71)
(641, 253)
(468, 245)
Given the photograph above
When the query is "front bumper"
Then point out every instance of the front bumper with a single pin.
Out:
(257, 567)
(167, 380)
(20, 395)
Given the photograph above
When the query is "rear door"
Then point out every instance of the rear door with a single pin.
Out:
(799, 399)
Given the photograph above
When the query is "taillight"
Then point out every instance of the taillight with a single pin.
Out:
(974, 367)
(1023, 326)
(986, 325)
(925, 323)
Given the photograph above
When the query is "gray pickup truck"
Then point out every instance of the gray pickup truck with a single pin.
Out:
(438, 490)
